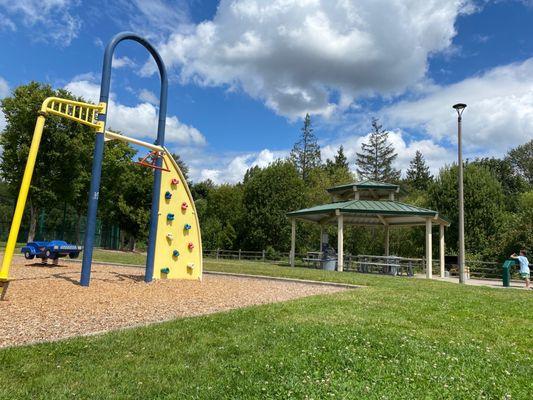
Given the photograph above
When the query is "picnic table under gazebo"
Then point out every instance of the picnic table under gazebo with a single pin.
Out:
(373, 204)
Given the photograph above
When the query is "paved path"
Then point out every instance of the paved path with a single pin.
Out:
(493, 283)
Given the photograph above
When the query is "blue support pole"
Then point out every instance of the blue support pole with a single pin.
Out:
(99, 153)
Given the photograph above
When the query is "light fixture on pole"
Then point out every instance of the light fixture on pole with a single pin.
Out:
(460, 107)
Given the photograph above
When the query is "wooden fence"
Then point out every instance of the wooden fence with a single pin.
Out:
(366, 263)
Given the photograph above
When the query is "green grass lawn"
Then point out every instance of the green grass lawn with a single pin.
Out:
(398, 338)
(119, 257)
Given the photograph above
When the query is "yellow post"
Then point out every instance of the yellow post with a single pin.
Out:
(21, 201)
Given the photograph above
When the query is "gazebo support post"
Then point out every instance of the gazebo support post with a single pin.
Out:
(321, 238)
(429, 251)
(340, 242)
(293, 241)
(442, 248)
(387, 240)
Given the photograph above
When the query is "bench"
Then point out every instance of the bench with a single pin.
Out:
(314, 259)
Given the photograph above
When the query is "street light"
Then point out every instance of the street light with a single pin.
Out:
(460, 107)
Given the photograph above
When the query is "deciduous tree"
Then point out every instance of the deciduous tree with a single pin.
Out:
(521, 159)
(269, 193)
(484, 208)
(60, 167)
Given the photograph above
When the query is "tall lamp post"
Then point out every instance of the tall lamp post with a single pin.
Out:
(460, 107)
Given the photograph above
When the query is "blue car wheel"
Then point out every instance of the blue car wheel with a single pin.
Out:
(28, 255)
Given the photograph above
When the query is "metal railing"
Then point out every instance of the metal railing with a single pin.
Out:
(474, 269)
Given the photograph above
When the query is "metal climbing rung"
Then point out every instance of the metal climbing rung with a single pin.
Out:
(84, 113)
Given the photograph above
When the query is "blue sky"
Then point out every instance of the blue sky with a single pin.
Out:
(244, 72)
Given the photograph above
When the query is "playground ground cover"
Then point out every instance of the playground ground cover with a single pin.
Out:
(397, 338)
(46, 302)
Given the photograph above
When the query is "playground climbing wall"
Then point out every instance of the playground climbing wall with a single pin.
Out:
(178, 243)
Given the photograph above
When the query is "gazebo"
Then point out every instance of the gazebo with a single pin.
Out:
(370, 203)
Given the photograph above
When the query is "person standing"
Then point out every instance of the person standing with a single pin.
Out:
(524, 266)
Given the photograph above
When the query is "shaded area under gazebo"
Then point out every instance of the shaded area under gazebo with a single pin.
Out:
(371, 204)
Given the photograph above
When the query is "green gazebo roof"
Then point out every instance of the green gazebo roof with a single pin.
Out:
(369, 212)
(363, 185)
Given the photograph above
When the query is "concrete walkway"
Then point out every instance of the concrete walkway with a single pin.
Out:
(493, 283)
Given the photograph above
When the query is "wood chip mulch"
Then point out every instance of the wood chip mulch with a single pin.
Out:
(46, 303)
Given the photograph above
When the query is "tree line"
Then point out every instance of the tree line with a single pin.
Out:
(251, 215)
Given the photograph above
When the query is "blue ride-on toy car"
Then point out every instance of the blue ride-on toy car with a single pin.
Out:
(50, 250)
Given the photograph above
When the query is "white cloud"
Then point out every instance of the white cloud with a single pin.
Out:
(225, 168)
(4, 91)
(6, 24)
(297, 55)
(499, 113)
(49, 19)
(4, 88)
(154, 19)
(98, 42)
(148, 96)
(436, 155)
(121, 62)
(230, 168)
(139, 121)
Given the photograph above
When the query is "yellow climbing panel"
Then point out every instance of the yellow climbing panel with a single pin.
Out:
(178, 244)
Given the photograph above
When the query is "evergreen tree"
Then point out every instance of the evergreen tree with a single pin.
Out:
(376, 158)
(340, 162)
(418, 176)
(305, 154)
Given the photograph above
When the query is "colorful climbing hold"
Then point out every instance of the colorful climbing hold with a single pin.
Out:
(170, 236)
(168, 195)
(170, 217)
(187, 227)
(165, 270)
(174, 181)
(175, 253)
(184, 206)
(190, 265)
(190, 246)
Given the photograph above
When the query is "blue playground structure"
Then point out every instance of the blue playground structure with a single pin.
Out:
(50, 250)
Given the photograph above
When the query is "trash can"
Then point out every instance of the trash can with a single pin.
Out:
(394, 265)
(506, 276)
(329, 264)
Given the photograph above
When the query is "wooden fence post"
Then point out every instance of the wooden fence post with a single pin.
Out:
(239, 254)
(217, 253)
(263, 255)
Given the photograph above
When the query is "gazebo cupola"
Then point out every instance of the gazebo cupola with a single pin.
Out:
(366, 190)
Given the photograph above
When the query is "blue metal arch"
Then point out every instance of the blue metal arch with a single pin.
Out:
(99, 153)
